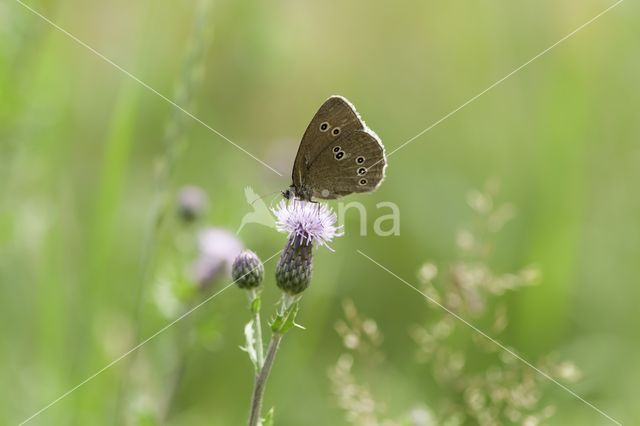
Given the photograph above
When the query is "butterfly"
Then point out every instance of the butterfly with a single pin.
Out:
(338, 155)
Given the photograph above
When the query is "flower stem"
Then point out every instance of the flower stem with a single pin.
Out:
(261, 380)
(258, 329)
(183, 344)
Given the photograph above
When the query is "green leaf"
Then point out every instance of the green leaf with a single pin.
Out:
(255, 305)
(276, 323)
(268, 419)
(250, 345)
(290, 318)
(285, 322)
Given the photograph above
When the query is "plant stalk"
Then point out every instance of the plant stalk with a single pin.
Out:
(258, 329)
(261, 380)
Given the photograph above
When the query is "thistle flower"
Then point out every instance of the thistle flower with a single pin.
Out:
(293, 273)
(247, 270)
(217, 249)
(192, 201)
(306, 223)
(309, 222)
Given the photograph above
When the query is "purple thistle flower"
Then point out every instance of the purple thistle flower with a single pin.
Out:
(307, 222)
(192, 202)
(217, 249)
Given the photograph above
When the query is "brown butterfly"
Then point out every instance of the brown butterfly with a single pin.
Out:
(338, 155)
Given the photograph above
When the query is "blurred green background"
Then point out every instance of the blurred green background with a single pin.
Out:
(90, 162)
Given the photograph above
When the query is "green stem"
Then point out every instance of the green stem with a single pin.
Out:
(258, 329)
(261, 380)
(183, 346)
(286, 303)
(162, 180)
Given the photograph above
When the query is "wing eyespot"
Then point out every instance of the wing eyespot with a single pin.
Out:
(336, 149)
(360, 160)
(362, 182)
(335, 131)
(339, 155)
(324, 126)
(361, 171)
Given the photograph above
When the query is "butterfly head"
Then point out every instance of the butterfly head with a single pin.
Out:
(295, 192)
(288, 193)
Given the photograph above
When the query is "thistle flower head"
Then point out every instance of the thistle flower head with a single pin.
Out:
(307, 222)
(293, 272)
(217, 249)
(192, 202)
(247, 270)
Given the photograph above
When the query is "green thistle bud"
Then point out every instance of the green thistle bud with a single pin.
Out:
(293, 273)
(247, 270)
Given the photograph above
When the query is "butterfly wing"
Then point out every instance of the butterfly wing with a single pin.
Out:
(336, 117)
(354, 162)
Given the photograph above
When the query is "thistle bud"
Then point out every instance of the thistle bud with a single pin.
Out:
(293, 273)
(247, 270)
(192, 202)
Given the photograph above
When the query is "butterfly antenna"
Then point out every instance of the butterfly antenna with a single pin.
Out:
(264, 196)
(272, 198)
